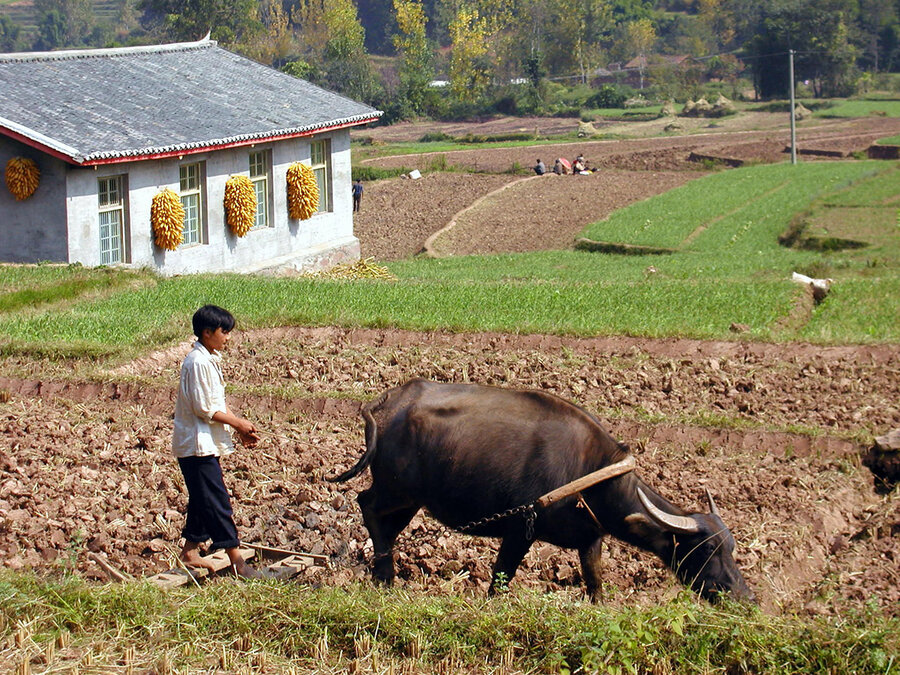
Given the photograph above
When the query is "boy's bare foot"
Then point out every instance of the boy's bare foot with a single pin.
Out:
(190, 556)
(244, 571)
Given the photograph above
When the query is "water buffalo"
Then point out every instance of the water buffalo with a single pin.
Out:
(467, 451)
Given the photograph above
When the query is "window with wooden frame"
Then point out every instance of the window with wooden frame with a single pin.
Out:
(320, 161)
(190, 180)
(111, 213)
(260, 176)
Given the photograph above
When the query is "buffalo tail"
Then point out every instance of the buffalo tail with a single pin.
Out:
(371, 443)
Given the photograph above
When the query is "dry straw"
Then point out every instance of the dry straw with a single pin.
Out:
(362, 269)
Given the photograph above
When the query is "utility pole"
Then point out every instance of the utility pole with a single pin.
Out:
(793, 119)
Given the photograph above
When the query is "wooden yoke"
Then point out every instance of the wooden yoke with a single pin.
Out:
(587, 481)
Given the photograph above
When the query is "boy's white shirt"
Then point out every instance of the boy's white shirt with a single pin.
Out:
(201, 394)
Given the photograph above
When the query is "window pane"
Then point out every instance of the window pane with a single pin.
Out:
(261, 201)
(189, 177)
(317, 152)
(257, 164)
(320, 180)
(191, 204)
(319, 158)
(110, 237)
(108, 191)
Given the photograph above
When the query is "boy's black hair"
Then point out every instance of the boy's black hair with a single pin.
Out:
(212, 317)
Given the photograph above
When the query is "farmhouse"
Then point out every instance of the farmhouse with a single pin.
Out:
(88, 139)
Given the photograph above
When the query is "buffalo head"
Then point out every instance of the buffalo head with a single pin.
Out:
(700, 550)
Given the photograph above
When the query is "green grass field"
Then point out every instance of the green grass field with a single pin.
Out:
(862, 108)
(728, 268)
(625, 113)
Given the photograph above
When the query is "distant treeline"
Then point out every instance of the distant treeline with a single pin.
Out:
(507, 52)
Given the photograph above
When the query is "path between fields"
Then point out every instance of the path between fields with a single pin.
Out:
(429, 243)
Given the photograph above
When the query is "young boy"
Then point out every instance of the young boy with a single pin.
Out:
(201, 435)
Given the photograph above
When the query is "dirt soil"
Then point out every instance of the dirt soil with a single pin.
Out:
(398, 215)
(86, 465)
(549, 212)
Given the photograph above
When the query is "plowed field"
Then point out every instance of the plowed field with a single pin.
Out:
(88, 465)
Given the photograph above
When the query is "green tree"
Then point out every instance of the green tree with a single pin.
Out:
(717, 24)
(575, 30)
(470, 63)
(63, 23)
(51, 31)
(411, 42)
(640, 35)
(625, 11)
(536, 73)
(818, 31)
(301, 69)
(274, 42)
(347, 67)
(879, 21)
(309, 16)
(229, 21)
(377, 19)
(9, 34)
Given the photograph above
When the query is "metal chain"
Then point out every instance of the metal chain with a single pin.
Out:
(524, 508)
(529, 519)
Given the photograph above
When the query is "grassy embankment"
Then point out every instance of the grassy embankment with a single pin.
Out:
(277, 627)
(728, 267)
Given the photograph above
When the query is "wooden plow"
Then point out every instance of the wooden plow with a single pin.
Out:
(278, 563)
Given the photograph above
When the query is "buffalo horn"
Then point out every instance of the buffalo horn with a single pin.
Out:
(680, 524)
(712, 505)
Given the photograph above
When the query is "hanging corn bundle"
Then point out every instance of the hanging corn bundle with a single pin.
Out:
(22, 177)
(240, 204)
(302, 191)
(167, 219)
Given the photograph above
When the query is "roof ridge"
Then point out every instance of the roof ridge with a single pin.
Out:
(200, 146)
(109, 52)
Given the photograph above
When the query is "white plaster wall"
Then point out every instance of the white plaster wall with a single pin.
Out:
(288, 243)
(34, 229)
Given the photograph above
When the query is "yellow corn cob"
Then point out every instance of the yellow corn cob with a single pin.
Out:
(22, 177)
(302, 191)
(240, 204)
(167, 219)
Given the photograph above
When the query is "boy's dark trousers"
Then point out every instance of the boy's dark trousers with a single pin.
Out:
(209, 514)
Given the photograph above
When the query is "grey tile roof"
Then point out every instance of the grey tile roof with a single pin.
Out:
(107, 105)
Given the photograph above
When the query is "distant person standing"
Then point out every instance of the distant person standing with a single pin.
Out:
(539, 168)
(357, 194)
